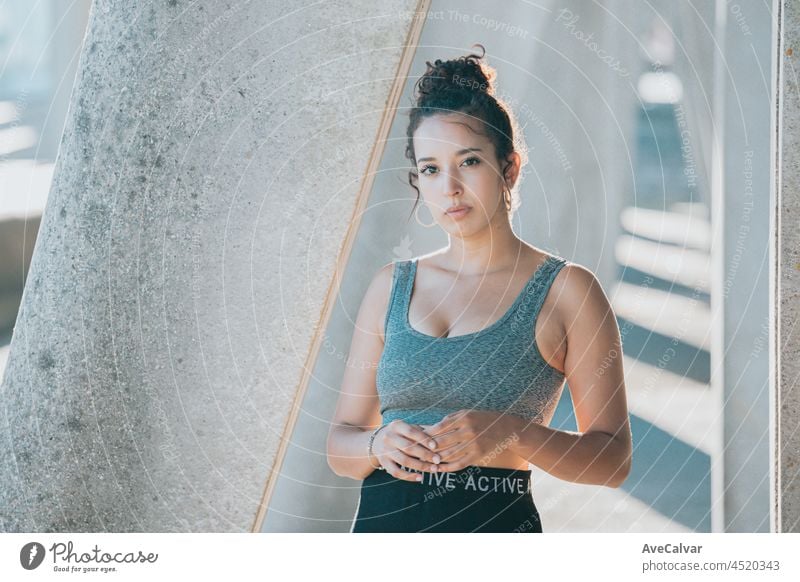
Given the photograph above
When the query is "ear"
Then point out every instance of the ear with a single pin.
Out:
(512, 171)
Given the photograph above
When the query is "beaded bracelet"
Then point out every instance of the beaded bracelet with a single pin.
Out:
(369, 448)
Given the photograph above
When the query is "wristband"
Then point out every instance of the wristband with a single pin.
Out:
(369, 448)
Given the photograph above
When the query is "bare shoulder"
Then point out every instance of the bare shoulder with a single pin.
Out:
(579, 293)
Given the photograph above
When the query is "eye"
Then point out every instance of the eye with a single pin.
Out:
(472, 159)
(423, 170)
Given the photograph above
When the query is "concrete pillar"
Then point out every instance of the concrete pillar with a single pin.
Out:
(197, 213)
(741, 209)
(785, 272)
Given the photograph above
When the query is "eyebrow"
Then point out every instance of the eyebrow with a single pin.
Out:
(458, 153)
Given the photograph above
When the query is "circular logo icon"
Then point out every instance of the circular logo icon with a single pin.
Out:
(31, 555)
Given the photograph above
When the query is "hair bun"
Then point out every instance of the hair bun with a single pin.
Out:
(463, 74)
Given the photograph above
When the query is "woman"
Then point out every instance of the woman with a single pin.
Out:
(459, 357)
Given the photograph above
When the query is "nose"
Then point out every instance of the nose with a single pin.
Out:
(454, 185)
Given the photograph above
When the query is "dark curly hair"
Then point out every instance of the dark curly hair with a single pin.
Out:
(466, 85)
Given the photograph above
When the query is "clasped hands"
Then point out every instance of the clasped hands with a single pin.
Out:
(458, 440)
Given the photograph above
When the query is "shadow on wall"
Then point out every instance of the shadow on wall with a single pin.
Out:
(17, 238)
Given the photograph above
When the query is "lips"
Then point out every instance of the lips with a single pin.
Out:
(457, 209)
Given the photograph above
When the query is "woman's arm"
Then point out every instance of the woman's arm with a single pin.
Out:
(357, 412)
(600, 452)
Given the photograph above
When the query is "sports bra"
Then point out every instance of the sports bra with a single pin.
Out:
(421, 378)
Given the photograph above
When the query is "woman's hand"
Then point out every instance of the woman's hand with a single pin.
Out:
(400, 443)
(467, 437)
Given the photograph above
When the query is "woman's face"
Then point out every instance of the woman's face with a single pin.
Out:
(457, 166)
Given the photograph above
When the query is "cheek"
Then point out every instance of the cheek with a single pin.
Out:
(484, 183)
(485, 190)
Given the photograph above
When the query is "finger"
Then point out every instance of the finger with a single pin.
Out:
(416, 434)
(458, 463)
(436, 430)
(437, 444)
(396, 471)
(415, 450)
(424, 454)
(454, 452)
(446, 423)
(454, 466)
(404, 462)
(447, 440)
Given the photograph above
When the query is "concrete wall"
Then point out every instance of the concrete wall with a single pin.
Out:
(185, 251)
(784, 269)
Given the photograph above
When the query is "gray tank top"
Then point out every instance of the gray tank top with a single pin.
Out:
(421, 378)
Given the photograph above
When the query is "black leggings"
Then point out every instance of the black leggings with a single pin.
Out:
(473, 499)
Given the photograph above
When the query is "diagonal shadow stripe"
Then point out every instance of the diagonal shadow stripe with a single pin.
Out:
(666, 352)
(634, 276)
(669, 475)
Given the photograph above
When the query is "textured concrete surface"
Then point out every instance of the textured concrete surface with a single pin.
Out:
(787, 300)
(205, 180)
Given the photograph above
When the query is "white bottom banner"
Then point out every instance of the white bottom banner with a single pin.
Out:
(169, 556)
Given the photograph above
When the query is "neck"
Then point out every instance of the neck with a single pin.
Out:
(495, 248)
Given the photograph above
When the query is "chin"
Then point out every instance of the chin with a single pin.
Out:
(464, 230)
